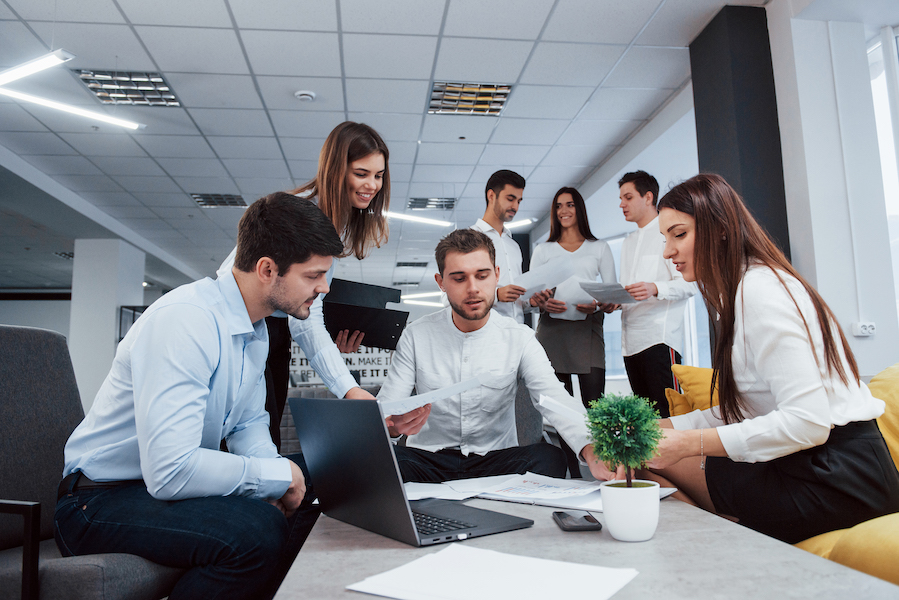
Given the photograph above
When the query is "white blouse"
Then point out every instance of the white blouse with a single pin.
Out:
(592, 258)
(791, 401)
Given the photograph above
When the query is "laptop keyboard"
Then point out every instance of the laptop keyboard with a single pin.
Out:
(428, 525)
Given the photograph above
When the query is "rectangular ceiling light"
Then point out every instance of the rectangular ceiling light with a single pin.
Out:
(431, 203)
(468, 98)
(57, 57)
(139, 88)
(89, 114)
(219, 200)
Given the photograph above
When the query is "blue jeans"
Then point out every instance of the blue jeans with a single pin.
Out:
(232, 547)
(434, 467)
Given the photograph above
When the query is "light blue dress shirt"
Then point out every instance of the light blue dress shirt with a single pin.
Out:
(188, 374)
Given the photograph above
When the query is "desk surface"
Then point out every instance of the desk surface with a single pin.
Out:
(693, 554)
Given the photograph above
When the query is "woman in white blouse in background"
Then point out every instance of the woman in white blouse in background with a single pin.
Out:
(574, 346)
(793, 450)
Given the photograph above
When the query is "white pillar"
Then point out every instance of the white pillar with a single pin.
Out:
(106, 274)
(835, 203)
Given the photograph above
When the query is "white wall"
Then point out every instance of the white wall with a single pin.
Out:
(46, 314)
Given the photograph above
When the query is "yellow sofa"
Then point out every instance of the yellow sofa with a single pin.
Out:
(872, 546)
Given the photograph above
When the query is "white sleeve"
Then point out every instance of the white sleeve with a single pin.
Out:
(401, 375)
(607, 264)
(784, 360)
(675, 288)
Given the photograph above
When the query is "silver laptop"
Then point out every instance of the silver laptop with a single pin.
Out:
(356, 478)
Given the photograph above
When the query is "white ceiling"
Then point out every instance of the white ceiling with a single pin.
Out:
(587, 75)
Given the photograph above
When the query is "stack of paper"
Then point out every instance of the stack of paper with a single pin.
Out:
(489, 575)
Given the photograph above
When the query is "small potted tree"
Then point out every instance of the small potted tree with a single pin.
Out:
(626, 432)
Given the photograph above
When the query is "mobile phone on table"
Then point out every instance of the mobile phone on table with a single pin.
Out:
(576, 520)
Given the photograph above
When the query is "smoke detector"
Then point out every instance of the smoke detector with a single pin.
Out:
(304, 96)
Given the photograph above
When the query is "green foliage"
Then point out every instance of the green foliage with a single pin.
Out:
(625, 430)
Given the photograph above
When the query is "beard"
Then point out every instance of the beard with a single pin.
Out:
(466, 314)
(299, 310)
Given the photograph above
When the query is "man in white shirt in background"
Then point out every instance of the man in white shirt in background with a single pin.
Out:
(652, 329)
(504, 193)
(473, 434)
(144, 473)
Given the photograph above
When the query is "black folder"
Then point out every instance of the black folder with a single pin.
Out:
(355, 306)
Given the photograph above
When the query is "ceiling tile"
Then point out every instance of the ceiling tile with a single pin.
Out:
(507, 155)
(175, 146)
(645, 66)
(110, 198)
(241, 167)
(591, 21)
(563, 176)
(546, 102)
(63, 165)
(57, 84)
(278, 93)
(528, 131)
(391, 127)
(399, 172)
(193, 167)
(292, 52)
(624, 103)
(403, 152)
(206, 185)
(302, 148)
(299, 123)
(164, 200)
(301, 15)
(187, 50)
(128, 165)
(441, 173)
(97, 11)
(256, 187)
(224, 121)
(556, 63)
(397, 16)
(515, 19)
(388, 56)
(434, 190)
(387, 95)
(103, 144)
(245, 147)
(62, 122)
(539, 195)
(433, 153)
(680, 21)
(15, 118)
(465, 60)
(196, 13)
(92, 43)
(305, 170)
(158, 120)
(204, 90)
(129, 212)
(476, 129)
(598, 133)
(88, 183)
(147, 184)
(35, 143)
(580, 156)
(19, 44)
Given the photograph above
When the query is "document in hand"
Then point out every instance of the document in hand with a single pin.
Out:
(571, 293)
(546, 276)
(401, 406)
(490, 575)
(608, 293)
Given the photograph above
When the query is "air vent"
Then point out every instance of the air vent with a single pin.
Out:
(125, 87)
(431, 203)
(407, 283)
(219, 200)
(65, 255)
(468, 98)
(419, 265)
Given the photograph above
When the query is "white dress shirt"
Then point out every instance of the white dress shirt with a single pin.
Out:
(791, 401)
(508, 259)
(314, 340)
(432, 353)
(659, 319)
(188, 374)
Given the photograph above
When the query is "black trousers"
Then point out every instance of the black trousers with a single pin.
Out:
(649, 373)
(277, 374)
(447, 464)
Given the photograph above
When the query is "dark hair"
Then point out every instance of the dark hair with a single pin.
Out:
(500, 179)
(464, 241)
(360, 229)
(727, 240)
(580, 210)
(285, 228)
(643, 182)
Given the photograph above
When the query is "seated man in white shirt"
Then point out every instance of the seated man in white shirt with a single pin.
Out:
(144, 473)
(473, 434)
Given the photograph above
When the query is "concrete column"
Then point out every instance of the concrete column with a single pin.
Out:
(834, 190)
(106, 274)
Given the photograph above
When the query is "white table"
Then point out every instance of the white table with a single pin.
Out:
(693, 555)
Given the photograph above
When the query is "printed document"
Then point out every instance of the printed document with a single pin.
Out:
(401, 406)
(608, 293)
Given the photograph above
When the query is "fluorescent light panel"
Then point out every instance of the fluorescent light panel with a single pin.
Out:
(431, 203)
(405, 217)
(57, 57)
(219, 200)
(468, 98)
(127, 87)
(522, 223)
(71, 109)
(423, 303)
(421, 295)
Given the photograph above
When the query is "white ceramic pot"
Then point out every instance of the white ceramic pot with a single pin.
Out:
(631, 514)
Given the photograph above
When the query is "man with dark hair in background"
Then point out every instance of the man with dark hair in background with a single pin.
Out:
(144, 473)
(652, 329)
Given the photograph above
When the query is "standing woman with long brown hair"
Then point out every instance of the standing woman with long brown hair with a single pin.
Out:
(352, 188)
(793, 449)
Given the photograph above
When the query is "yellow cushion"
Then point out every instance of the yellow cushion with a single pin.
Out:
(885, 385)
(871, 547)
(823, 544)
(695, 382)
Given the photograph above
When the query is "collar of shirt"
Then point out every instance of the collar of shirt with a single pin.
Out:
(485, 227)
(235, 310)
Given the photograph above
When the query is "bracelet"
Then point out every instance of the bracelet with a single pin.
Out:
(701, 453)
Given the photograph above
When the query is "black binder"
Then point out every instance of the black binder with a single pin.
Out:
(362, 307)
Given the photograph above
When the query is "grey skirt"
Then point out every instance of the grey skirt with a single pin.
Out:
(573, 346)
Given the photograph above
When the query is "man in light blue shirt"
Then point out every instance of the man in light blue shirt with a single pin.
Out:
(144, 473)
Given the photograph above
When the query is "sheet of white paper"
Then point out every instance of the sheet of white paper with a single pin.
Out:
(571, 293)
(490, 575)
(419, 491)
(537, 287)
(401, 406)
(608, 293)
(566, 412)
(549, 275)
(531, 488)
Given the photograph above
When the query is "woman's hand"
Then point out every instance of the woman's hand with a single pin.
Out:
(348, 344)
(674, 446)
(587, 308)
(555, 306)
(539, 299)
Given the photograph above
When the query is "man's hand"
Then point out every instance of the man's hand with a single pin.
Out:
(587, 308)
(539, 299)
(599, 469)
(642, 291)
(357, 393)
(348, 344)
(409, 423)
(609, 308)
(290, 501)
(509, 293)
(555, 306)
